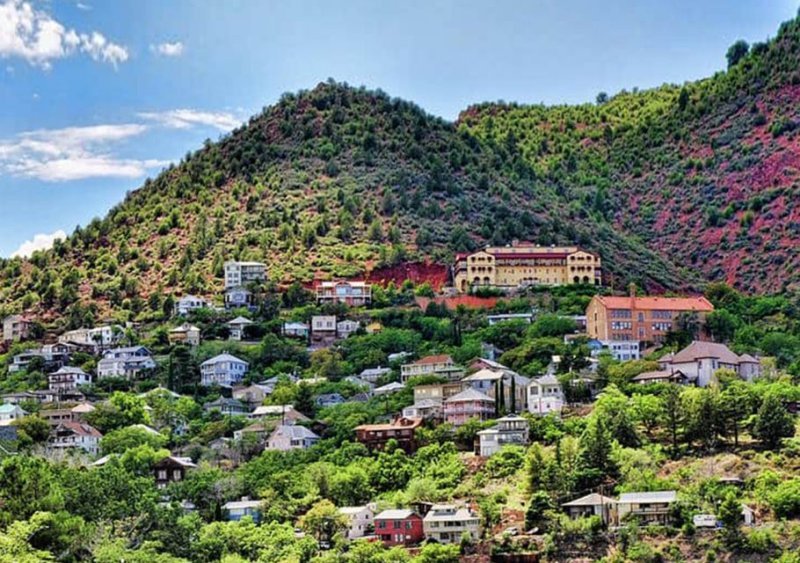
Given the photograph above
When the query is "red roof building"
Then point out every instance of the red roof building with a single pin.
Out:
(642, 319)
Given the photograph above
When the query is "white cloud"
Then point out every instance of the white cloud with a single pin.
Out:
(168, 49)
(39, 242)
(185, 118)
(33, 35)
(82, 6)
(73, 153)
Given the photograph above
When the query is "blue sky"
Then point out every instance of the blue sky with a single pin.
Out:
(99, 95)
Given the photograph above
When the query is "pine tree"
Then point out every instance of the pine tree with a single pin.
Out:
(773, 423)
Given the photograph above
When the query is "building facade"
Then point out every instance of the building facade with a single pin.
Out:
(399, 527)
(15, 328)
(352, 293)
(403, 430)
(240, 274)
(446, 523)
(224, 370)
(525, 264)
(512, 429)
(640, 319)
(68, 378)
(467, 405)
(127, 363)
(441, 365)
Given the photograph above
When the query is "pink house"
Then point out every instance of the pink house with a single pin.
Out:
(468, 404)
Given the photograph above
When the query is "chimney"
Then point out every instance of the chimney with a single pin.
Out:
(632, 290)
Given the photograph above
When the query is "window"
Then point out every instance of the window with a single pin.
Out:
(162, 474)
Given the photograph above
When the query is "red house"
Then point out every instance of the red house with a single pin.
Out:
(399, 527)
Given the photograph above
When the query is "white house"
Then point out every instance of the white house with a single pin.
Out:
(649, 508)
(224, 370)
(9, 413)
(360, 519)
(545, 395)
(445, 523)
(240, 274)
(97, 337)
(189, 303)
(291, 437)
(441, 365)
(237, 327)
(68, 378)
(593, 504)
(127, 363)
(699, 361)
(511, 429)
(374, 374)
(69, 435)
(424, 408)
(298, 329)
(346, 327)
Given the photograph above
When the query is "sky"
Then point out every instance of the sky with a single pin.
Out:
(97, 96)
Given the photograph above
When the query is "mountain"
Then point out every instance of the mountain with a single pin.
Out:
(672, 186)
(705, 174)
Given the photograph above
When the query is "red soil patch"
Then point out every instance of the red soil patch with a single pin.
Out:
(436, 275)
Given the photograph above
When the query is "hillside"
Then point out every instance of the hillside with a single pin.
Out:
(705, 174)
(672, 186)
(333, 180)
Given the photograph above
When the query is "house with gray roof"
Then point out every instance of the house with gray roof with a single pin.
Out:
(700, 360)
(224, 370)
(291, 437)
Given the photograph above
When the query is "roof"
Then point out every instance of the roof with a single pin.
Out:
(348, 510)
(223, 358)
(663, 374)
(66, 370)
(748, 359)
(393, 386)
(642, 498)
(127, 350)
(81, 429)
(9, 408)
(182, 461)
(411, 422)
(297, 432)
(223, 401)
(459, 514)
(483, 375)
(240, 321)
(185, 328)
(375, 371)
(83, 407)
(426, 404)
(593, 499)
(396, 514)
(657, 303)
(548, 379)
(469, 395)
(241, 504)
(439, 359)
(697, 350)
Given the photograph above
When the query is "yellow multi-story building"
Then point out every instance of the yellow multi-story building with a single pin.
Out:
(523, 264)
